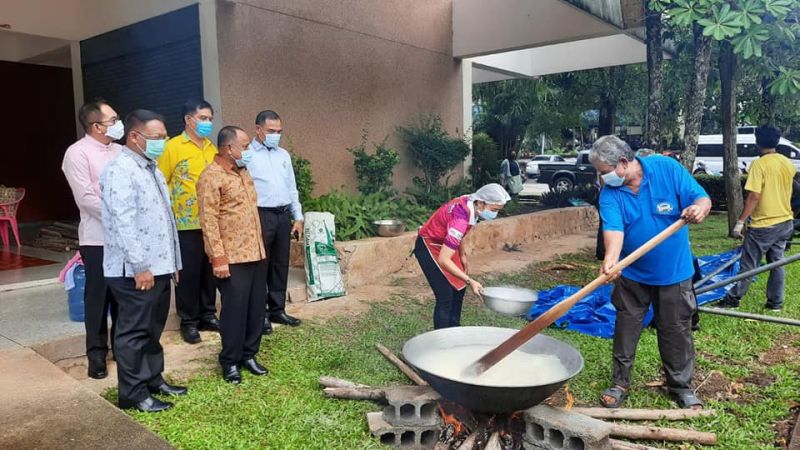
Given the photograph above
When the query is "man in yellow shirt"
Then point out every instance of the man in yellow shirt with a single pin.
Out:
(768, 205)
(185, 157)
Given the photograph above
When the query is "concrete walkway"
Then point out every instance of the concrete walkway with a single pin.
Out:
(41, 407)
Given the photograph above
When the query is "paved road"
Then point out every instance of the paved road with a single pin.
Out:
(531, 188)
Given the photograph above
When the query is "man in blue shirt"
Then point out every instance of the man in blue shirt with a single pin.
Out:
(141, 255)
(641, 197)
(276, 189)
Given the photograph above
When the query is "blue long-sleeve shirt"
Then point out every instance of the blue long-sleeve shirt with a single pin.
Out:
(139, 226)
(273, 175)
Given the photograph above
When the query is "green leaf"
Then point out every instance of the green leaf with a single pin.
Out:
(685, 12)
(749, 44)
(778, 8)
(725, 23)
(787, 82)
(751, 11)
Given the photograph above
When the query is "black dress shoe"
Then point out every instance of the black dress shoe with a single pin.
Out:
(285, 319)
(254, 367)
(190, 334)
(168, 389)
(150, 404)
(231, 374)
(97, 371)
(267, 327)
(211, 324)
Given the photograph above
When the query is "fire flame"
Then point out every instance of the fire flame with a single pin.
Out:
(450, 419)
(570, 398)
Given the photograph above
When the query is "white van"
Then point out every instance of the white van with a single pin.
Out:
(709, 151)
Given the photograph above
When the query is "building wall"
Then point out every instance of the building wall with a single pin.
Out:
(331, 68)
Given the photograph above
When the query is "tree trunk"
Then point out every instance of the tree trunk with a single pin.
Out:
(697, 97)
(769, 102)
(605, 124)
(730, 167)
(655, 76)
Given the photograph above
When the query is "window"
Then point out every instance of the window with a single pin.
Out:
(542, 158)
(788, 152)
(747, 150)
(559, 159)
(708, 150)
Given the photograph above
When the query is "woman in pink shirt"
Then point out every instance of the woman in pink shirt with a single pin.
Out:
(441, 255)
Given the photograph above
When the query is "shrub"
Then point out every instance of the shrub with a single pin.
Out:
(560, 199)
(434, 152)
(304, 177)
(714, 185)
(374, 171)
(486, 160)
(355, 213)
(433, 198)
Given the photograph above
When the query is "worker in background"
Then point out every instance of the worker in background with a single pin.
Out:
(642, 197)
(442, 255)
(511, 176)
(232, 234)
(185, 157)
(768, 205)
(280, 211)
(142, 255)
(83, 163)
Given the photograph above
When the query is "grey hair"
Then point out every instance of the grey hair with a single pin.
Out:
(609, 150)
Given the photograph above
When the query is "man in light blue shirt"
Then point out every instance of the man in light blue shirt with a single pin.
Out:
(276, 189)
(141, 255)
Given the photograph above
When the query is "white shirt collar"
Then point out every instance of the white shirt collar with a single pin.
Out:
(473, 218)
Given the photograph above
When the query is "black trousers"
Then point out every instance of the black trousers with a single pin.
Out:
(276, 227)
(142, 316)
(673, 305)
(241, 319)
(449, 300)
(196, 294)
(97, 302)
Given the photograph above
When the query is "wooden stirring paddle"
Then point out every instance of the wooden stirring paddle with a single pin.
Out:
(551, 315)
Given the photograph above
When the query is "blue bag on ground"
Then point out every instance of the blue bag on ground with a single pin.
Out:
(596, 316)
(75, 293)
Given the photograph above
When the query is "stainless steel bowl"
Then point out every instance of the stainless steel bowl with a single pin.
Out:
(511, 300)
(489, 399)
(389, 228)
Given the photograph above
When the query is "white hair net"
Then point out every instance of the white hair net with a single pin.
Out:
(493, 194)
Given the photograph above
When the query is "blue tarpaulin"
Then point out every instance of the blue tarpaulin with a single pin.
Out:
(595, 315)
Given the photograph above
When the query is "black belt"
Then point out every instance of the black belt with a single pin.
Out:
(276, 210)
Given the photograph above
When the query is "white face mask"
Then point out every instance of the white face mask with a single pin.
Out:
(116, 131)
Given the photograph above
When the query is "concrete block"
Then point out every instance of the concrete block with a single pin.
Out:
(296, 287)
(405, 437)
(555, 429)
(412, 406)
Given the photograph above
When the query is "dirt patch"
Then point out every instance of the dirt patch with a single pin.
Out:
(760, 379)
(785, 428)
(715, 385)
(784, 351)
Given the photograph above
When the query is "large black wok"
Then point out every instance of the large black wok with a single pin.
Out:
(489, 399)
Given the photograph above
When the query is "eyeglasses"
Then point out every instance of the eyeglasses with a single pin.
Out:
(113, 120)
(150, 137)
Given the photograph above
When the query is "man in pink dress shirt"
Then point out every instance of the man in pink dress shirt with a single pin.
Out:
(83, 163)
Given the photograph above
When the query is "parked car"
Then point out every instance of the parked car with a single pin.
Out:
(565, 176)
(533, 165)
(710, 152)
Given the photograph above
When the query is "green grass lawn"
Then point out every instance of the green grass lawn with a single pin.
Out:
(286, 410)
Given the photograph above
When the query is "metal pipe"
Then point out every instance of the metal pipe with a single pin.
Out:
(748, 274)
(760, 317)
(718, 270)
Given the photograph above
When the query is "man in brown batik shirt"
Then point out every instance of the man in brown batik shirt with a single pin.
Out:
(232, 235)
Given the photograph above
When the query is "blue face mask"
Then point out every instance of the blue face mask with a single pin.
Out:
(272, 140)
(488, 214)
(613, 180)
(247, 155)
(204, 128)
(154, 148)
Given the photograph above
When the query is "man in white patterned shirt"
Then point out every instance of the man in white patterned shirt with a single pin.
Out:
(141, 255)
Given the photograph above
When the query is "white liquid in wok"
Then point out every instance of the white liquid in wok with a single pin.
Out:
(517, 369)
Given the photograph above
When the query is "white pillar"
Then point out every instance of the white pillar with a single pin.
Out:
(466, 96)
(210, 59)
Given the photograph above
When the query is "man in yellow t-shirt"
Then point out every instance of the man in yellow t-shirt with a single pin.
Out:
(768, 205)
(185, 157)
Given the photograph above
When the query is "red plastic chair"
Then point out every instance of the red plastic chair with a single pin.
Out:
(8, 216)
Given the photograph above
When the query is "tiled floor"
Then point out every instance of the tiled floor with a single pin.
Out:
(34, 264)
